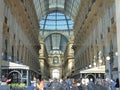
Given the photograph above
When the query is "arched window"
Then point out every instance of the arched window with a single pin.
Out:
(55, 60)
(56, 42)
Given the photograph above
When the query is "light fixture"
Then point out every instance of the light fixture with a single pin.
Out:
(2, 53)
(116, 53)
(94, 63)
(90, 65)
(110, 72)
(9, 57)
(108, 58)
(100, 61)
(94, 57)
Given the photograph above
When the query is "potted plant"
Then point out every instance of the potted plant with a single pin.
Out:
(17, 86)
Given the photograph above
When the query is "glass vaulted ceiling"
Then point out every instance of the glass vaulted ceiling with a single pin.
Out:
(69, 7)
(56, 43)
(48, 8)
(56, 21)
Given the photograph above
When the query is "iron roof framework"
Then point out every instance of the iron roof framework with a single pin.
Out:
(56, 21)
(56, 43)
(68, 7)
(45, 9)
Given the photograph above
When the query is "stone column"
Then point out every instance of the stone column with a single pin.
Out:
(1, 29)
(117, 4)
(42, 58)
(70, 65)
(42, 67)
(70, 57)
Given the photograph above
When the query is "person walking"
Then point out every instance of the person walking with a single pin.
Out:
(68, 83)
(40, 84)
(112, 84)
(117, 84)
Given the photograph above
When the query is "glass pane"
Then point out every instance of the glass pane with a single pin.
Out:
(41, 26)
(51, 17)
(56, 21)
(64, 27)
(42, 21)
(70, 27)
(50, 23)
(60, 17)
(61, 22)
(70, 22)
(67, 17)
(49, 27)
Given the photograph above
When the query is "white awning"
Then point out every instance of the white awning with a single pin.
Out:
(100, 69)
(12, 65)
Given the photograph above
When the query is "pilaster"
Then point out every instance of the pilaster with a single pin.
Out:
(42, 58)
(42, 66)
(1, 29)
(117, 4)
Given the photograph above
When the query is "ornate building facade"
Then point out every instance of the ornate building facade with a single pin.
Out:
(19, 45)
(96, 37)
(61, 38)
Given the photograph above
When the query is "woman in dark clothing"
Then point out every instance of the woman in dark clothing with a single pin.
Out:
(117, 83)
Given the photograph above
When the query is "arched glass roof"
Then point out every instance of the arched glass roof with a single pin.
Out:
(56, 21)
(56, 43)
(69, 7)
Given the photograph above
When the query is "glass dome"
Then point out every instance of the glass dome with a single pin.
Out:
(56, 21)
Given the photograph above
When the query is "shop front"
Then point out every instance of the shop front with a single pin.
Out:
(18, 73)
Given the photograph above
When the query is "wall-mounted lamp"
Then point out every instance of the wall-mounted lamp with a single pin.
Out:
(90, 66)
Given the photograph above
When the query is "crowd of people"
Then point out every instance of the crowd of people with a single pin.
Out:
(77, 84)
(72, 84)
(56, 84)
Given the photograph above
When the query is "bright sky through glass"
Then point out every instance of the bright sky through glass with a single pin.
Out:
(56, 21)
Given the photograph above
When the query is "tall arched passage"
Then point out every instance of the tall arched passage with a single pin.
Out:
(55, 42)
